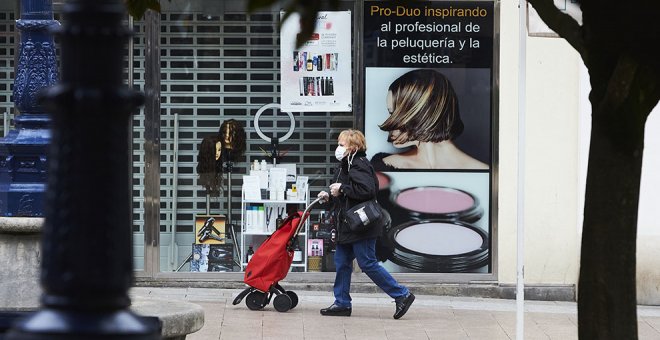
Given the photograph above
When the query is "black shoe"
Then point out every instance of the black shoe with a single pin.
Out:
(402, 305)
(335, 310)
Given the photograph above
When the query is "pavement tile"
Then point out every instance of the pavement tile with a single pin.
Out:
(282, 332)
(646, 331)
(476, 320)
(654, 322)
(365, 333)
(364, 337)
(551, 318)
(556, 330)
(532, 336)
(563, 335)
(447, 334)
(490, 333)
(558, 327)
(407, 334)
(443, 325)
(325, 336)
(531, 331)
(237, 336)
(311, 333)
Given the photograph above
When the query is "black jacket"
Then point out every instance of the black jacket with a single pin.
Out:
(359, 184)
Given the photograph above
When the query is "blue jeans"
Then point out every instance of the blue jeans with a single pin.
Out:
(365, 252)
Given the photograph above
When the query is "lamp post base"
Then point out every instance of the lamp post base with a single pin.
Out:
(55, 324)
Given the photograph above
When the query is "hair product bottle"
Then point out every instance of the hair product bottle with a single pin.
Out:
(295, 61)
(250, 252)
(310, 62)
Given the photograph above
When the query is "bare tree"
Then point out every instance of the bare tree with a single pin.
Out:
(615, 42)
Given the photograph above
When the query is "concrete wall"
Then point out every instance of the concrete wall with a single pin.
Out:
(556, 152)
(648, 227)
(20, 261)
(551, 157)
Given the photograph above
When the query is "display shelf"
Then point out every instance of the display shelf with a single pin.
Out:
(267, 201)
(292, 265)
(265, 233)
(251, 237)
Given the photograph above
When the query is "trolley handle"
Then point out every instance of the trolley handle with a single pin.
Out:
(304, 217)
(307, 212)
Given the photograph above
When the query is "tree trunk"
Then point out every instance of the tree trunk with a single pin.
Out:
(606, 288)
(607, 303)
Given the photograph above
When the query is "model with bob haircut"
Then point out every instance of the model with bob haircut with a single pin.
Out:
(424, 116)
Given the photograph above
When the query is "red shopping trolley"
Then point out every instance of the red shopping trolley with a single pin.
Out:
(271, 263)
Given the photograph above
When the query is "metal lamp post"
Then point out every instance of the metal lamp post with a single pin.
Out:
(23, 151)
(87, 265)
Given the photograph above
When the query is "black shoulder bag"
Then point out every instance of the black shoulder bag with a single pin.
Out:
(362, 216)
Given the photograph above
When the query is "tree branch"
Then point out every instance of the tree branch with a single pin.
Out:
(560, 22)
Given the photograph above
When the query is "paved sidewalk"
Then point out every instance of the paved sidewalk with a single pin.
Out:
(430, 317)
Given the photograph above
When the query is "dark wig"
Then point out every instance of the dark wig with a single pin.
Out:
(209, 168)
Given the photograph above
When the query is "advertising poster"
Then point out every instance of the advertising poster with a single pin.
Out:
(210, 229)
(428, 123)
(212, 258)
(317, 76)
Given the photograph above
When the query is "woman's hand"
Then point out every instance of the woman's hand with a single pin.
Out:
(334, 189)
(323, 195)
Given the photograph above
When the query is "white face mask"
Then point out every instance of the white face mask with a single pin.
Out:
(339, 152)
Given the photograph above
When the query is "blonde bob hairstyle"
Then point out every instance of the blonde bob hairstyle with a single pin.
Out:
(425, 107)
(354, 140)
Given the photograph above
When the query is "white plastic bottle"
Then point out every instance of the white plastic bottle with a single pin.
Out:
(247, 218)
(297, 253)
(253, 218)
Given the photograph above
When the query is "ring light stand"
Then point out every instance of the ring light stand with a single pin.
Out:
(274, 141)
(233, 146)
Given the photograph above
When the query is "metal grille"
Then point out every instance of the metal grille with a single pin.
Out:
(213, 68)
(7, 54)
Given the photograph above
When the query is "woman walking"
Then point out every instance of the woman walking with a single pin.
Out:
(356, 182)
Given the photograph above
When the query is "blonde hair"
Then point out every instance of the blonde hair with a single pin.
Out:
(354, 139)
(425, 107)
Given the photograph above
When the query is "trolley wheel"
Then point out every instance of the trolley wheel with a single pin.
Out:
(294, 298)
(255, 300)
(282, 303)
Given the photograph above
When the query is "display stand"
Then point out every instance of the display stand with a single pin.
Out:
(229, 168)
(256, 237)
(190, 256)
(259, 234)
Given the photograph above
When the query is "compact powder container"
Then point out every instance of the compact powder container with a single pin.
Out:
(384, 193)
(439, 246)
(435, 202)
(384, 181)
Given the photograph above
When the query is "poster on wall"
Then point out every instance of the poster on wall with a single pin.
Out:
(428, 124)
(316, 77)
